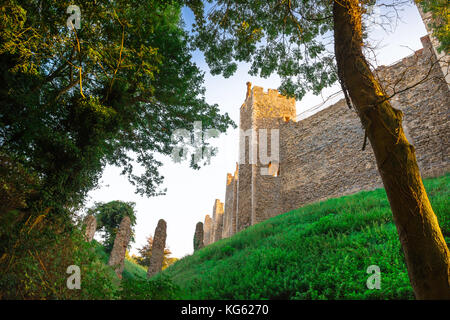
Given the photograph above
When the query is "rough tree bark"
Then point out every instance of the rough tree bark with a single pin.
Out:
(426, 253)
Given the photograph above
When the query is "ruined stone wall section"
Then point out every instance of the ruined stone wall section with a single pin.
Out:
(198, 236)
(90, 222)
(207, 230)
(229, 217)
(224, 221)
(228, 213)
(117, 256)
(159, 244)
(244, 185)
(235, 201)
(218, 211)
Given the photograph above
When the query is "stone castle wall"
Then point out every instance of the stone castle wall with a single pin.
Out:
(321, 157)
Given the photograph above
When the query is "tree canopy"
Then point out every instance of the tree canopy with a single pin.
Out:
(109, 216)
(291, 38)
(285, 37)
(111, 92)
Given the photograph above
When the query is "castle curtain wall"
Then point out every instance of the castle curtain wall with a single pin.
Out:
(320, 157)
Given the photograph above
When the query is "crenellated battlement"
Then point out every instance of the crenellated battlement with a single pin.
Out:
(266, 105)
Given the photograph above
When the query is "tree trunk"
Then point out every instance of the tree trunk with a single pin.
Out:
(426, 253)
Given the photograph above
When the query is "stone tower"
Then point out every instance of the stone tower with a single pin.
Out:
(258, 185)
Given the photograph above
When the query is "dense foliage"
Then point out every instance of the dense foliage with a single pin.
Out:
(35, 257)
(73, 100)
(111, 92)
(320, 251)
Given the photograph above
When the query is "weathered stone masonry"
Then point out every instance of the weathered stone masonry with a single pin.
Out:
(117, 257)
(217, 221)
(198, 236)
(90, 222)
(320, 157)
(207, 230)
(159, 243)
(229, 217)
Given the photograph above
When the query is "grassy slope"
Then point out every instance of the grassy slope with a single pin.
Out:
(131, 269)
(320, 251)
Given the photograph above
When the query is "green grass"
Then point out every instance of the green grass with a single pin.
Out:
(134, 284)
(319, 251)
(131, 270)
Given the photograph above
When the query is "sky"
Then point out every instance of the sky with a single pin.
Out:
(191, 193)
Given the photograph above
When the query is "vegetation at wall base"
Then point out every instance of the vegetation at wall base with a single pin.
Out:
(319, 251)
